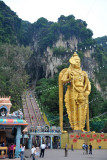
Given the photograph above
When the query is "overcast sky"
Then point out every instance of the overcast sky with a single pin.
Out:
(94, 12)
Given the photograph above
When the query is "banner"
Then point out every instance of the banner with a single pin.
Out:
(98, 140)
(77, 136)
(88, 135)
(82, 135)
(74, 140)
(94, 135)
(102, 135)
(71, 136)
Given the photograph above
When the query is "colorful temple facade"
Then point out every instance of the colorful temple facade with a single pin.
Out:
(11, 128)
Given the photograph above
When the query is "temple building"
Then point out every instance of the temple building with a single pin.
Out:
(11, 127)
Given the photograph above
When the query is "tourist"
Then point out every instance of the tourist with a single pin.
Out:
(37, 153)
(49, 145)
(22, 152)
(66, 150)
(8, 151)
(43, 146)
(72, 147)
(90, 149)
(83, 147)
(86, 148)
(32, 152)
(11, 150)
(59, 145)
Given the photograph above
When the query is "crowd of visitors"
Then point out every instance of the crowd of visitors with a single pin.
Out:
(37, 151)
(85, 148)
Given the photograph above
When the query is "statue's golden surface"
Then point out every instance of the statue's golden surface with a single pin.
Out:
(76, 97)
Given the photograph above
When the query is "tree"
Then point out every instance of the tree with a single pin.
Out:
(13, 77)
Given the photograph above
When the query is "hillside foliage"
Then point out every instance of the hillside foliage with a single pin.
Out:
(13, 77)
(103, 42)
(14, 30)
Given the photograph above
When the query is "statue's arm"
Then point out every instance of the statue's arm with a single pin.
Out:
(66, 77)
(87, 85)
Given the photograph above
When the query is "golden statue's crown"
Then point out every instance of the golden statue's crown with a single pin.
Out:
(75, 54)
(71, 60)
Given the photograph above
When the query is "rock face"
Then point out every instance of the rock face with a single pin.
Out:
(49, 61)
(71, 43)
(46, 63)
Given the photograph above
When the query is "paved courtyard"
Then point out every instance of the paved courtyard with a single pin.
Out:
(58, 154)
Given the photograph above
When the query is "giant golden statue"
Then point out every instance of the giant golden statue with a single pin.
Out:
(76, 97)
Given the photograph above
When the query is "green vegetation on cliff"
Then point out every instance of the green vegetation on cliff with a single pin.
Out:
(103, 42)
(13, 30)
(100, 56)
(9, 24)
(48, 32)
(13, 77)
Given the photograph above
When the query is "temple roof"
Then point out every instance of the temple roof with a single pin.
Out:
(5, 99)
(15, 122)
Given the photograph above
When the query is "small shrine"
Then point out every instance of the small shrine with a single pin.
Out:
(5, 105)
(11, 127)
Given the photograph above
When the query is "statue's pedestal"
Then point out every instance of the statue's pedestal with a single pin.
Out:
(77, 131)
(77, 138)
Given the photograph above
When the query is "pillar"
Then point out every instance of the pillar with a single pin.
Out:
(60, 141)
(23, 138)
(41, 139)
(18, 136)
(51, 142)
(30, 142)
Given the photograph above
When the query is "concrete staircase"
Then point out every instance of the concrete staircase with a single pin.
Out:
(31, 110)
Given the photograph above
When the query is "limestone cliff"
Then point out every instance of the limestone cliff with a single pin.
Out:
(45, 64)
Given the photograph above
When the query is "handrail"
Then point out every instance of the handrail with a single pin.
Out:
(45, 119)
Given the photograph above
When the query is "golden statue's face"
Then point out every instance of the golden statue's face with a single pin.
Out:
(77, 62)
